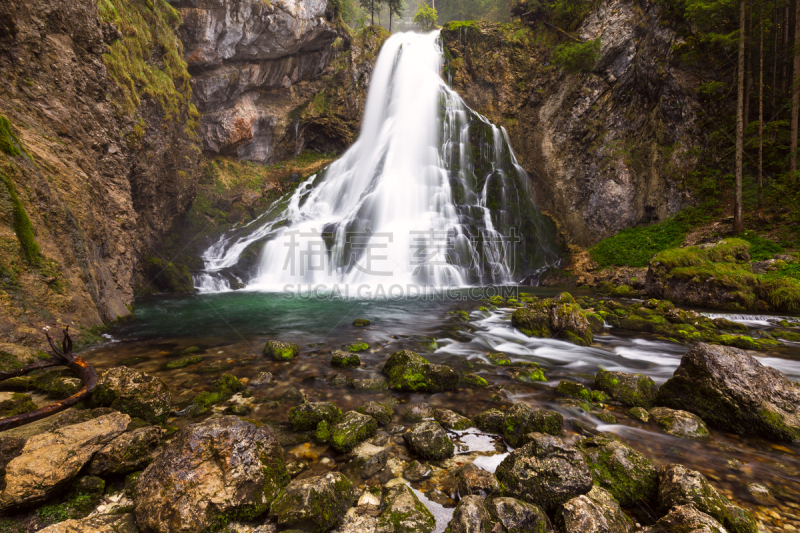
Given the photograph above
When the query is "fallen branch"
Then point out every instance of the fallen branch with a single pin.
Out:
(562, 32)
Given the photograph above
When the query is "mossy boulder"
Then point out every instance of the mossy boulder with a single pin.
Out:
(470, 516)
(18, 404)
(474, 380)
(679, 423)
(686, 518)
(631, 390)
(594, 512)
(404, 513)
(344, 359)
(429, 441)
(557, 317)
(131, 451)
(134, 393)
(419, 412)
(452, 420)
(472, 480)
(14, 356)
(522, 419)
(316, 503)
(678, 485)
(221, 389)
(546, 472)
(281, 351)
(352, 430)
(628, 475)
(408, 371)
(183, 362)
(517, 516)
(381, 412)
(354, 347)
(491, 421)
(57, 384)
(578, 390)
(731, 390)
(361, 322)
(306, 416)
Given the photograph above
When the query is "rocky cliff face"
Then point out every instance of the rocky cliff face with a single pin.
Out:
(607, 149)
(97, 168)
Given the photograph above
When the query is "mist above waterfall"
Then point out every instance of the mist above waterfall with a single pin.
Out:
(430, 195)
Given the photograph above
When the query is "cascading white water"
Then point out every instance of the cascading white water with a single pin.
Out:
(429, 195)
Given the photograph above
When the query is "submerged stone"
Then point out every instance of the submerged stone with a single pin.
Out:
(452, 420)
(361, 322)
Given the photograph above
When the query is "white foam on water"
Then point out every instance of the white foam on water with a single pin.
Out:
(490, 462)
(441, 514)
(475, 441)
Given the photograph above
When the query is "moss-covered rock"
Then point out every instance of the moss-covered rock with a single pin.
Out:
(470, 516)
(472, 480)
(361, 322)
(14, 356)
(354, 347)
(318, 503)
(344, 359)
(281, 351)
(408, 371)
(306, 416)
(517, 516)
(129, 452)
(632, 390)
(555, 317)
(221, 389)
(381, 412)
(404, 513)
(522, 419)
(594, 512)
(686, 518)
(628, 475)
(452, 420)
(474, 380)
(578, 390)
(679, 423)
(491, 421)
(418, 412)
(183, 362)
(18, 404)
(354, 429)
(429, 441)
(134, 393)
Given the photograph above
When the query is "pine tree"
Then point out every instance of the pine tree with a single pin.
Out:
(738, 223)
(396, 7)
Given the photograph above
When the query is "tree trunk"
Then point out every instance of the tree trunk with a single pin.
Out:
(390, 19)
(761, 112)
(795, 95)
(738, 223)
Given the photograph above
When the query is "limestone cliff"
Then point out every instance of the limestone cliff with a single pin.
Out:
(607, 149)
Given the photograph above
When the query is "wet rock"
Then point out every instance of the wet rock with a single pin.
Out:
(419, 412)
(352, 430)
(375, 464)
(639, 413)
(307, 415)
(118, 523)
(369, 384)
(134, 393)
(130, 451)
(344, 359)
(470, 516)
(318, 503)
(416, 471)
(677, 485)
(408, 371)
(339, 381)
(381, 412)
(429, 441)
(404, 513)
(474, 380)
(550, 317)
(17, 404)
(15, 356)
(281, 351)
(595, 512)
(369, 504)
(356, 347)
(578, 390)
(491, 421)
(732, 391)
(679, 423)
(361, 322)
(522, 419)
(263, 378)
(48, 461)
(628, 475)
(211, 471)
(472, 480)
(546, 471)
(686, 519)
(295, 467)
(517, 516)
(452, 420)
(632, 390)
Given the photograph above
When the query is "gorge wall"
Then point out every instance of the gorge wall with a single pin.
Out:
(607, 149)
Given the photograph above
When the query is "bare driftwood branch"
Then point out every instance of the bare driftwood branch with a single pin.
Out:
(64, 356)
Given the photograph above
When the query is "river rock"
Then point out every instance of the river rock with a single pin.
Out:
(381, 412)
(318, 503)
(517, 516)
(732, 391)
(416, 471)
(48, 461)
(429, 441)
(470, 516)
(551, 317)
(344, 359)
(375, 464)
(522, 419)
(491, 421)
(369, 504)
(404, 513)
(471, 480)
(631, 390)
(352, 430)
(686, 519)
(595, 512)
(130, 451)
(134, 393)
(116, 523)
(628, 475)
(369, 384)
(408, 371)
(419, 412)
(281, 351)
(15, 356)
(452, 420)
(679, 423)
(211, 471)
(307, 415)
(679, 485)
(546, 471)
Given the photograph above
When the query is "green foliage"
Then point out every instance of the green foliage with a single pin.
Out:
(761, 248)
(426, 17)
(9, 142)
(22, 224)
(635, 246)
(577, 57)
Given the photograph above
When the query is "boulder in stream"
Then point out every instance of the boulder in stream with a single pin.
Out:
(679, 423)
(594, 512)
(631, 390)
(429, 441)
(134, 393)
(352, 430)
(317, 503)
(408, 371)
(686, 519)
(522, 419)
(517, 516)
(558, 317)
(470, 516)
(281, 351)
(307, 415)
(404, 513)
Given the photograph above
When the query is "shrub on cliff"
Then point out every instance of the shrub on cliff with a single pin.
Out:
(577, 57)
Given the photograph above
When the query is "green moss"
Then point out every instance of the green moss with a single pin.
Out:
(183, 362)
(307, 416)
(474, 380)
(281, 351)
(361, 322)
(221, 390)
(17, 405)
(9, 142)
(356, 347)
(22, 225)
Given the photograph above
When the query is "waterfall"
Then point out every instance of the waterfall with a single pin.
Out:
(430, 194)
